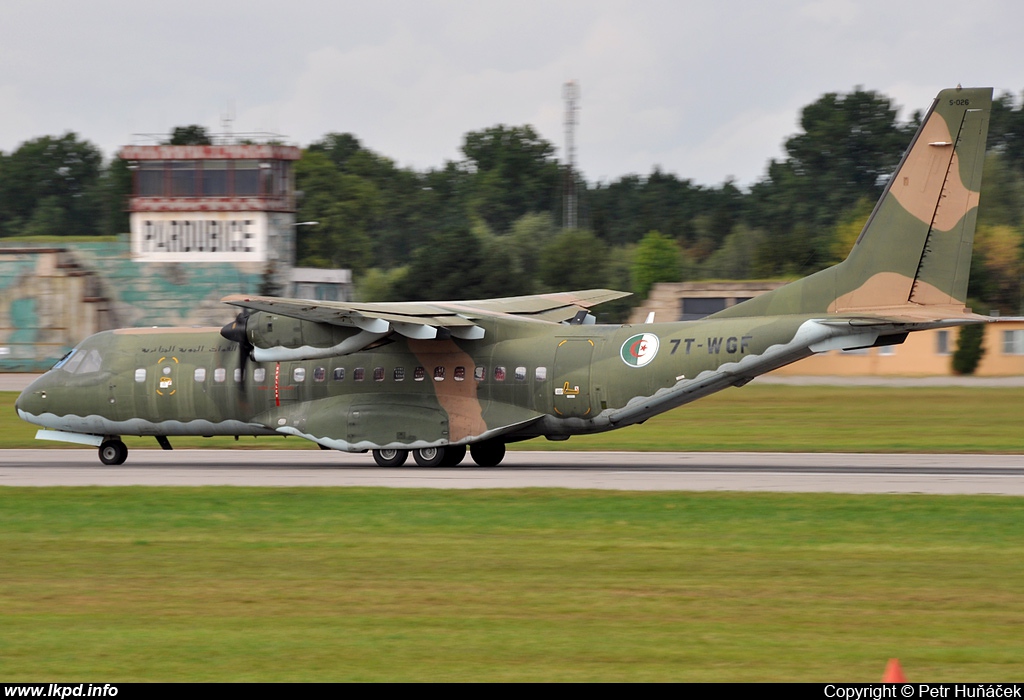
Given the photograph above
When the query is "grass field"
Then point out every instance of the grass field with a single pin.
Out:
(239, 584)
(754, 418)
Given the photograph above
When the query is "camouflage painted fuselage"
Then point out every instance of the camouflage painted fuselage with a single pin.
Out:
(528, 379)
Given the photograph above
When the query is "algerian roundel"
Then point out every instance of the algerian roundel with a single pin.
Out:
(640, 349)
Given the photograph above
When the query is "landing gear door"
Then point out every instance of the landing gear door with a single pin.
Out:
(573, 393)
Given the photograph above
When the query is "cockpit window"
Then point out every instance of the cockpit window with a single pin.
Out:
(63, 361)
(91, 363)
(80, 361)
(72, 364)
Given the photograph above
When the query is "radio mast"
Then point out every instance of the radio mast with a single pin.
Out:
(571, 93)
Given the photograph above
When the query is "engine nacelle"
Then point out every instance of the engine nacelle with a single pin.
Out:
(276, 338)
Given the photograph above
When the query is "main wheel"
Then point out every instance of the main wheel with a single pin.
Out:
(488, 454)
(390, 458)
(113, 452)
(453, 455)
(429, 456)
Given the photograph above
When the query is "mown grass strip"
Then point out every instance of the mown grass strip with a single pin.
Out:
(250, 584)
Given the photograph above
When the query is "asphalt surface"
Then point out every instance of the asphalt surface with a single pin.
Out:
(633, 471)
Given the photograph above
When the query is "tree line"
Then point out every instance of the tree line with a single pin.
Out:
(488, 224)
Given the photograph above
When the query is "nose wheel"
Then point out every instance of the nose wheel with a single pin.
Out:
(113, 452)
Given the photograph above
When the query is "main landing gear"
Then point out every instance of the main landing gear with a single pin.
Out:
(113, 452)
(485, 454)
(390, 458)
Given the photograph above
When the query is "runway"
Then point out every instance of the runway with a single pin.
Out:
(631, 471)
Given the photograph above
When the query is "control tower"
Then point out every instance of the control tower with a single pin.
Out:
(219, 203)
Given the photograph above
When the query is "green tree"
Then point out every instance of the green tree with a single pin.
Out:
(1006, 131)
(969, 348)
(999, 253)
(1002, 192)
(626, 209)
(456, 264)
(849, 145)
(380, 285)
(656, 259)
(847, 229)
(736, 259)
(113, 190)
(574, 259)
(512, 172)
(339, 148)
(56, 176)
(529, 234)
(346, 207)
(191, 135)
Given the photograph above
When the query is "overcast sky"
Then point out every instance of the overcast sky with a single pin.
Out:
(706, 90)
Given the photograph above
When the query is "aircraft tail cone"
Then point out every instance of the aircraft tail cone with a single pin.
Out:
(893, 672)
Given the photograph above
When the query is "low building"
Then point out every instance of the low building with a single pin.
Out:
(321, 285)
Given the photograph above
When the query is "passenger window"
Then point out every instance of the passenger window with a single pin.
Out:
(399, 374)
(358, 374)
(299, 375)
(238, 375)
(460, 374)
(339, 374)
(259, 375)
(479, 372)
(220, 374)
(378, 374)
(140, 375)
(319, 374)
(419, 374)
(439, 374)
(499, 374)
(541, 374)
(200, 374)
(520, 374)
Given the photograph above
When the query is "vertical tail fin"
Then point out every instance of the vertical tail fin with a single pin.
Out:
(915, 250)
(916, 246)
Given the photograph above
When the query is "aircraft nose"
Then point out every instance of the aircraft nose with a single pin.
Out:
(33, 400)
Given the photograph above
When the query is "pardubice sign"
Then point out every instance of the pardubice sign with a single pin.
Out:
(199, 236)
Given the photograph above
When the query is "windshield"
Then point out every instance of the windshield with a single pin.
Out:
(80, 361)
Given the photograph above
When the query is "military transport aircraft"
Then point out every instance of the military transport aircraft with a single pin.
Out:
(437, 378)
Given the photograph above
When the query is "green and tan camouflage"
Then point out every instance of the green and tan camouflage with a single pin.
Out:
(431, 379)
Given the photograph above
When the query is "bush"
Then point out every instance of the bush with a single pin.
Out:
(969, 350)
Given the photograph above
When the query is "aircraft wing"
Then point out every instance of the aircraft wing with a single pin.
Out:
(422, 320)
